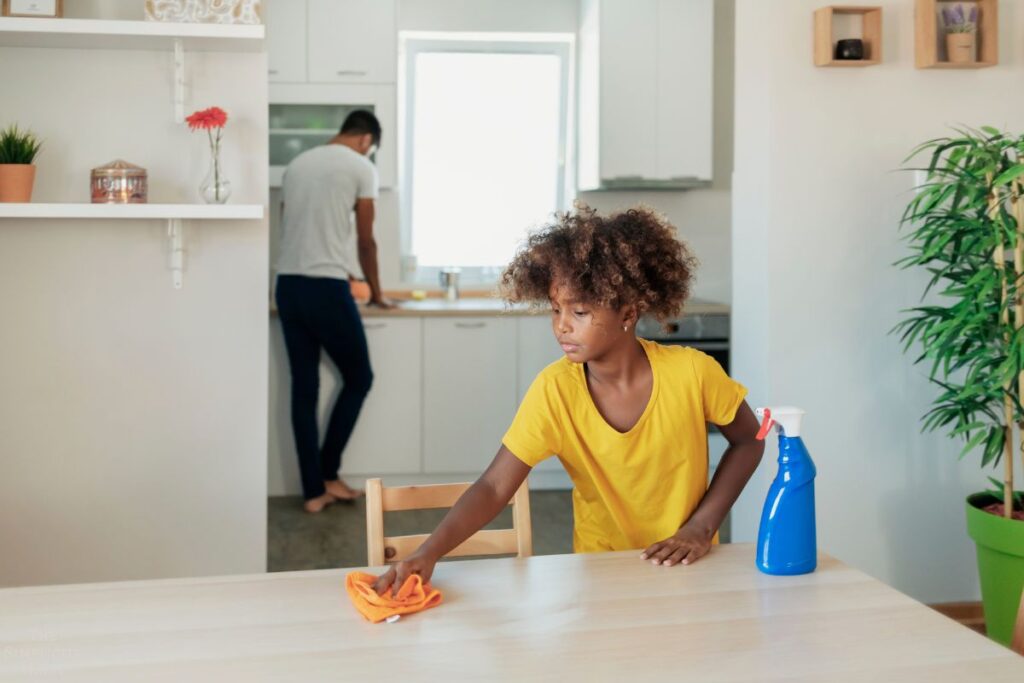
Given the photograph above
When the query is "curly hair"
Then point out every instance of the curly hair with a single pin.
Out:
(627, 258)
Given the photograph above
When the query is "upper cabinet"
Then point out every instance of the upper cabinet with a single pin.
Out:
(352, 41)
(286, 40)
(645, 94)
(332, 41)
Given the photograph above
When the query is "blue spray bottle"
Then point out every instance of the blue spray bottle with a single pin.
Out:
(786, 541)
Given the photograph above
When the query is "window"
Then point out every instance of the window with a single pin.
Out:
(485, 122)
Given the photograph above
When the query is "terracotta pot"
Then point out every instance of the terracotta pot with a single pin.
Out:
(960, 48)
(16, 182)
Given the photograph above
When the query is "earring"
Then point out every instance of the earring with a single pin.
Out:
(625, 328)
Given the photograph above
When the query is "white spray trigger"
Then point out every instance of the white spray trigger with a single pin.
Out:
(785, 419)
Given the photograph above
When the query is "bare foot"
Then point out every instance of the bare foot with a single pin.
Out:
(314, 505)
(341, 490)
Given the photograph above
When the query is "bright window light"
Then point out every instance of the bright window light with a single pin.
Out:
(485, 153)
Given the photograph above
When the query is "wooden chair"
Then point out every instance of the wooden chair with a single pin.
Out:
(1017, 645)
(383, 549)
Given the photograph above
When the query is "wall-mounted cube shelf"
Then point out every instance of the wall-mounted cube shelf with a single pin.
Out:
(929, 36)
(824, 35)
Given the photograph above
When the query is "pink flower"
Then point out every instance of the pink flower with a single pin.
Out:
(205, 119)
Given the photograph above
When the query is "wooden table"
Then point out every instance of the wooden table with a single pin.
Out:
(563, 618)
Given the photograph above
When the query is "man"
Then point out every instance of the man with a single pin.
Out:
(327, 239)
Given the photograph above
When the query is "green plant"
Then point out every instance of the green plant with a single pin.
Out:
(18, 147)
(968, 232)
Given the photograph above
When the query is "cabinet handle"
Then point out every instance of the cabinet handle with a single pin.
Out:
(272, 72)
(350, 72)
(470, 326)
(374, 326)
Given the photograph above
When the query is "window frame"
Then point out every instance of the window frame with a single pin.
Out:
(414, 43)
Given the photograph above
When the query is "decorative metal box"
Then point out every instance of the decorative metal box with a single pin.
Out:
(119, 183)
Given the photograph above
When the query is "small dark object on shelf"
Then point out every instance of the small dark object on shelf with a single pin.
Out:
(850, 49)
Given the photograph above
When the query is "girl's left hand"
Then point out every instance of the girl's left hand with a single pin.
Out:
(686, 546)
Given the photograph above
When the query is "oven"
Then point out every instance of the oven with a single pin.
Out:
(707, 332)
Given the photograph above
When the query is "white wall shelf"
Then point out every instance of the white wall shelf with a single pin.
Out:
(174, 214)
(134, 211)
(128, 35)
(134, 35)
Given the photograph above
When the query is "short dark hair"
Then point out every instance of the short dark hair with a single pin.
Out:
(361, 122)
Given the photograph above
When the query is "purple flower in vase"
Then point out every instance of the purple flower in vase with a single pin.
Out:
(956, 20)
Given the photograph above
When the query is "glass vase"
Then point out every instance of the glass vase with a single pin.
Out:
(215, 188)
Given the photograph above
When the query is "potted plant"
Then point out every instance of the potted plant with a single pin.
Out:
(961, 29)
(967, 231)
(18, 150)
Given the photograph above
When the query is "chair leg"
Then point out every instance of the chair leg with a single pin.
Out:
(521, 520)
(374, 523)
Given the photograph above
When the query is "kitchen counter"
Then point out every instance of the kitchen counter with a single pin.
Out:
(475, 307)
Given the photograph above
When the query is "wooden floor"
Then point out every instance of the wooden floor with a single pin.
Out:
(969, 614)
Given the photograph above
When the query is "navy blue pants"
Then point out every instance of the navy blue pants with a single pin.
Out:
(320, 313)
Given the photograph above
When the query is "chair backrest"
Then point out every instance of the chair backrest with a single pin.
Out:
(1018, 631)
(383, 549)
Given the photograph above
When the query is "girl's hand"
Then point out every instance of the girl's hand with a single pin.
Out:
(686, 546)
(417, 563)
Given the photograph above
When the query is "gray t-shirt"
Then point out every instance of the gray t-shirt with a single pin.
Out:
(318, 230)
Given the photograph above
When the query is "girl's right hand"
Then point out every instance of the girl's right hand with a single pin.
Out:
(417, 563)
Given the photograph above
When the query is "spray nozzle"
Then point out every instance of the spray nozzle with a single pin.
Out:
(785, 419)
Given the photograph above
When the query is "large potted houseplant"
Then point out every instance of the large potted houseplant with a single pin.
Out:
(966, 229)
(18, 149)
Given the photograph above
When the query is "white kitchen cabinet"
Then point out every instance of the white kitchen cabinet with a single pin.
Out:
(645, 93)
(469, 391)
(685, 89)
(629, 96)
(353, 41)
(286, 40)
(536, 348)
(386, 439)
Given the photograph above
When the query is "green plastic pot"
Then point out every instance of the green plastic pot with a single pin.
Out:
(1000, 544)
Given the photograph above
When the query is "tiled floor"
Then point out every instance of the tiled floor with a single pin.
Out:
(337, 536)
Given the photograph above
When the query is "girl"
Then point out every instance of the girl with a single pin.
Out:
(627, 417)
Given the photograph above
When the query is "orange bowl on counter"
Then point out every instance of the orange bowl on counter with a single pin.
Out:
(360, 291)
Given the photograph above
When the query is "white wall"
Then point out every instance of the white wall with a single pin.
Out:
(556, 16)
(816, 206)
(133, 416)
(702, 216)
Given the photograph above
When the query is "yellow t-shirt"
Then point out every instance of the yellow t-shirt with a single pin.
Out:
(636, 488)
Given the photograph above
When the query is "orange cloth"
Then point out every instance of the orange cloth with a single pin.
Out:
(413, 596)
